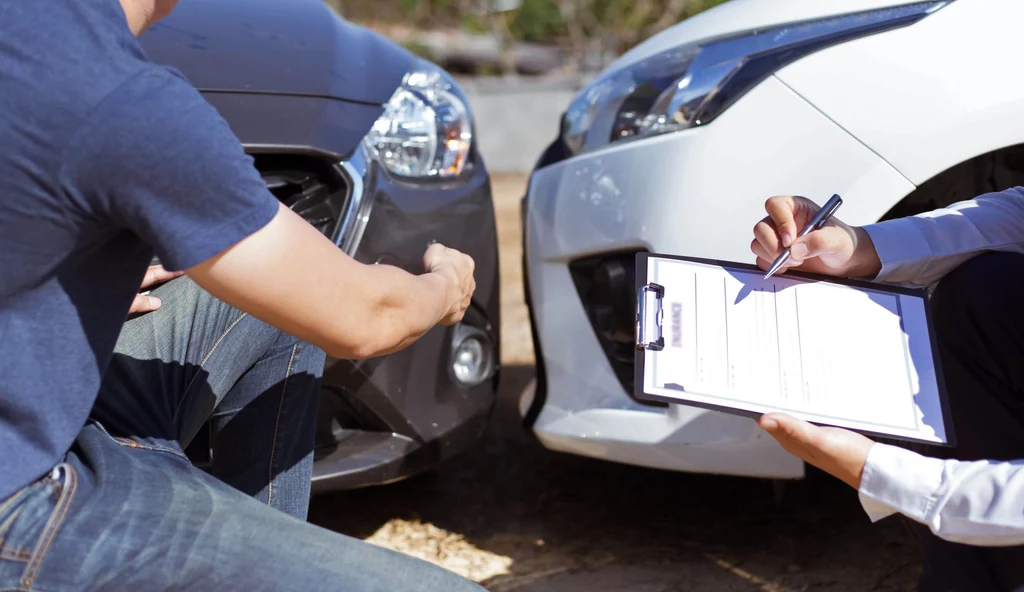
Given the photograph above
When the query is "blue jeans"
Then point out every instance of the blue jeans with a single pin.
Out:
(126, 510)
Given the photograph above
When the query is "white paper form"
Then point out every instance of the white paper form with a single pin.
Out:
(828, 353)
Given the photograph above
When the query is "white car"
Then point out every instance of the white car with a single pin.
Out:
(899, 107)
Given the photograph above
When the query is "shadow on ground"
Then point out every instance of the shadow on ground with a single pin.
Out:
(570, 524)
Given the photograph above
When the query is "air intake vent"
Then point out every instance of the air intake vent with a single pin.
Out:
(305, 195)
(607, 287)
(309, 187)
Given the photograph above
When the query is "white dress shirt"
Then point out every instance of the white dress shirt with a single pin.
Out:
(977, 503)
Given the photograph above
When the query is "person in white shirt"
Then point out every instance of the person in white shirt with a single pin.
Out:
(968, 500)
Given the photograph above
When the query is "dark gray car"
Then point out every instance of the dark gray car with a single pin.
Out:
(374, 147)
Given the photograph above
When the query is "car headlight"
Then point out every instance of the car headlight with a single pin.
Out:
(426, 129)
(692, 84)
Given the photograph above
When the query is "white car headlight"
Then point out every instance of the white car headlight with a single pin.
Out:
(426, 129)
(692, 84)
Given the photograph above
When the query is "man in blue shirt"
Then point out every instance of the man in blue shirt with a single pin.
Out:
(106, 160)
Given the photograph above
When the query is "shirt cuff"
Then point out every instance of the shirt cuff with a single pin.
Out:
(897, 480)
(902, 248)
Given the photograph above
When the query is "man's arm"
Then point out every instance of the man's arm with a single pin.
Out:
(920, 250)
(155, 158)
(975, 503)
(978, 503)
(351, 310)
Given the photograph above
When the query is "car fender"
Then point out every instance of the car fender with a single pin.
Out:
(927, 97)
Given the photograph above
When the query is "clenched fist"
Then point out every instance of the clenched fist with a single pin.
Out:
(457, 270)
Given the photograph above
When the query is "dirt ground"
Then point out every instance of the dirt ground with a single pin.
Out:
(514, 516)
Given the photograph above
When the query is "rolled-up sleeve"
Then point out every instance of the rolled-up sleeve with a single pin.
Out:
(976, 503)
(920, 250)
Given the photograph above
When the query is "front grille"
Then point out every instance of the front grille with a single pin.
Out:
(607, 288)
(310, 187)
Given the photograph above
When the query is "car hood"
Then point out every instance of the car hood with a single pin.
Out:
(745, 15)
(298, 47)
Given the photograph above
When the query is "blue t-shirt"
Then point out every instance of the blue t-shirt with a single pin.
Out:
(105, 158)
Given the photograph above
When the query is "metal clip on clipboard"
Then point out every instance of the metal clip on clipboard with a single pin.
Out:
(649, 317)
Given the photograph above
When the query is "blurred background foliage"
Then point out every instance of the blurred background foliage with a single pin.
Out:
(581, 29)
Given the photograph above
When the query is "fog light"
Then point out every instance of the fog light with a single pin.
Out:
(472, 356)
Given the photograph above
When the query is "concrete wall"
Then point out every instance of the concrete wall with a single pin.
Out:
(517, 118)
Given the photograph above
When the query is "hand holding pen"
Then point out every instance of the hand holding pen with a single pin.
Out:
(806, 236)
(817, 223)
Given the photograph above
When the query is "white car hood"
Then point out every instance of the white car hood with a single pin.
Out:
(745, 15)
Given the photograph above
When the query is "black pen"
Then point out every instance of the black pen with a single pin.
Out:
(820, 219)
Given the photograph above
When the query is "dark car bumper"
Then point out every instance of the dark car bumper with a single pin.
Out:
(387, 418)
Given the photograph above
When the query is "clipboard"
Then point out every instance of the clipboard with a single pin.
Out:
(679, 354)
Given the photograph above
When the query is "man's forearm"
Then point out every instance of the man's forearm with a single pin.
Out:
(976, 503)
(348, 309)
(920, 250)
(405, 309)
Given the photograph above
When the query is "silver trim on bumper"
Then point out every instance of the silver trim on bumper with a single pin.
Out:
(357, 213)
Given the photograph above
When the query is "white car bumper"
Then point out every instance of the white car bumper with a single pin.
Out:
(699, 193)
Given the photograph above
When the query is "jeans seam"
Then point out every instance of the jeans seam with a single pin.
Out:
(3, 532)
(12, 554)
(202, 363)
(277, 425)
(131, 443)
(7, 502)
(52, 526)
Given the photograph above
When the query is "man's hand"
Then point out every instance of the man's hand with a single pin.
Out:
(837, 249)
(838, 452)
(155, 275)
(457, 270)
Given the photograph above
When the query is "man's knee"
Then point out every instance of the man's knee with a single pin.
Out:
(185, 293)
(184, 300)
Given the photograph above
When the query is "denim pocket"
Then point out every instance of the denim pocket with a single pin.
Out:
(31, 518)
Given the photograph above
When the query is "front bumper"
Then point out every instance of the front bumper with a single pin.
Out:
(387, 418)
(697, 193)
